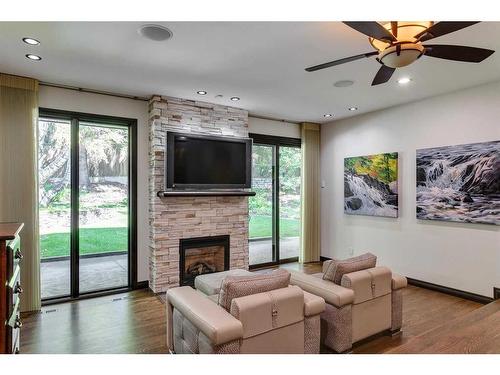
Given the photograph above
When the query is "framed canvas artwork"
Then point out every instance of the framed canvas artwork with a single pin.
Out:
(371, 185)
(459, 183)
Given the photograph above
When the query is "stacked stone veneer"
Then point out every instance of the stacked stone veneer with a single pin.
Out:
(174, 218)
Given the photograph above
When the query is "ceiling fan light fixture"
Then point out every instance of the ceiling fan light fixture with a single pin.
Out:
(406, 32)
(399, 49)
(401, 55)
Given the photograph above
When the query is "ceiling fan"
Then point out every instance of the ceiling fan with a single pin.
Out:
(399, 44)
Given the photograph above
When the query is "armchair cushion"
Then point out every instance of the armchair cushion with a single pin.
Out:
(368, 284)
(240, 286)
(339, 268)
(263, 312)
(325, 265)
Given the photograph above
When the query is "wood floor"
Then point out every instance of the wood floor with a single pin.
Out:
(134, 322)
(475, 332)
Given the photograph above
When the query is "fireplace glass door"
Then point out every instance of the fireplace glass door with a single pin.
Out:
(202, 255)
(274, 226)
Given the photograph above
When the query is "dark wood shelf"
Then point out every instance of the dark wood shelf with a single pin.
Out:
(9, 231)
(205, 193)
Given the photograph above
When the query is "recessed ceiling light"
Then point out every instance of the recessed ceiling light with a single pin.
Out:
(353, 108)
(235, 98)
(158, 33)
(327, 115)
(31, 41)
(404, 80)
(33, 57)
(201, 92)
(344, 83)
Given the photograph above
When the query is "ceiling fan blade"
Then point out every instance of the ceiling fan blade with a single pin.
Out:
(383, 75)
(457, 53)
(372, 29)
(341, 61)
(442, 28)
(394, 28)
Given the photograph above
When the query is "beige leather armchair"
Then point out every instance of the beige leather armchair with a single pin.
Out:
(367, 302)
(285, 320)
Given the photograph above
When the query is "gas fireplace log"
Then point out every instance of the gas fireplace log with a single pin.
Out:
(200, 268)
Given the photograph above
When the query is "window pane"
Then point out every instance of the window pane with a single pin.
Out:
(54, 177)
(103, 216)
(261, 206)
(290, 160)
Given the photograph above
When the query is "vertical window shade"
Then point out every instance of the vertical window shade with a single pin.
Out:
(310, 228)
(18, 175)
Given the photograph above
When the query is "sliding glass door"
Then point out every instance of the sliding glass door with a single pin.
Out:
(87, 215)
(274, 228)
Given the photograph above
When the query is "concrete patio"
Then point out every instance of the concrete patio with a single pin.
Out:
(260, 251)
(96, 273)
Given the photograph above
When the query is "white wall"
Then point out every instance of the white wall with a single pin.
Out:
(461, 256)
(69, 100)
(273, 127)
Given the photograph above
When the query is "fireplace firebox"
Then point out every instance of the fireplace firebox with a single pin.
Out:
(202, 255)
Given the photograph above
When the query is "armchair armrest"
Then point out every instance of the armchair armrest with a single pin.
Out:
(398, 281)
(211, 319)
(313, 305)
(330, 292)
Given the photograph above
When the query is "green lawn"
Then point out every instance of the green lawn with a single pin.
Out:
(92, 241)
(106, 240)
(260, 226)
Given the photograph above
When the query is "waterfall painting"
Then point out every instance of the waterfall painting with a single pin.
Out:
(371, 185)
(459, 183)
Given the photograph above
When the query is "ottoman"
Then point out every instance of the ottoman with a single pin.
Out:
(210, 283)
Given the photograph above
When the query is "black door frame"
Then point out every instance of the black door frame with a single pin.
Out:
(270, 140)
(75, 118)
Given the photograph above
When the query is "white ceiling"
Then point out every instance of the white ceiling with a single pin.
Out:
(263, 63)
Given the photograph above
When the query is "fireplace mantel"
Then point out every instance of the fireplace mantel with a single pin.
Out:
(205, 193)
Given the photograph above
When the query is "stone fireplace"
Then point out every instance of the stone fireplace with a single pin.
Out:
(202, 255)
(173, 220)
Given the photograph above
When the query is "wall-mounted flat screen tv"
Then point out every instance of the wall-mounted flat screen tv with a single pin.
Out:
(207, 162)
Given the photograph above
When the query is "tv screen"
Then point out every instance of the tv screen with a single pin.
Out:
(195, 161)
